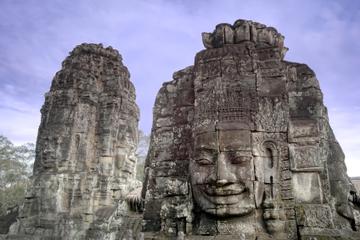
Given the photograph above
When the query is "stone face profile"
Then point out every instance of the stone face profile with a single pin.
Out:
(241, 147)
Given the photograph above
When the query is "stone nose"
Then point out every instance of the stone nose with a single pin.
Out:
(224, 174)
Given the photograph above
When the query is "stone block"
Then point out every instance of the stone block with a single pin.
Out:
(303, 130)
(314, 215)
(170, 186)
(210, 68)
(272, 86)
(307, 104)
(164, 122)
(306, 187)
(171, 168)
(229, 67)
(306, 158)
(235, 140)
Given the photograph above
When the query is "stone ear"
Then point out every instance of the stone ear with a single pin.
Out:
(259, 193)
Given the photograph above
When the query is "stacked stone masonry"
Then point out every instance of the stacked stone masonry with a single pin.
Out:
(241, 148)
(85, 152)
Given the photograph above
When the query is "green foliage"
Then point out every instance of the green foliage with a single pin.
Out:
(15, 169)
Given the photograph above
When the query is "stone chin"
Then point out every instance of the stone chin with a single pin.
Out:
(224, 205)
(228, 211)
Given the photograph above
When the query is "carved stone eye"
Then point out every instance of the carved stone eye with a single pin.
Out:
(239, 159)
(204, 161)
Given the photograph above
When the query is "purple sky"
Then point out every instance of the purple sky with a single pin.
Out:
(159, 37)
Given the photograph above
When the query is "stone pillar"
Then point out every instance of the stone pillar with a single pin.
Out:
(85, 152)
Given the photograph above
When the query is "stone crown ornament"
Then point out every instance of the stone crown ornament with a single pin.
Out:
(242, 31)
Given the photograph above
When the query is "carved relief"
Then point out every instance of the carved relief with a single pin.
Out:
(222, 173)
(262, 160)
(241, 148)
(85, 155)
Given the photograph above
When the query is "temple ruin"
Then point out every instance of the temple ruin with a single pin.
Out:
(85, 151)
(241, 148)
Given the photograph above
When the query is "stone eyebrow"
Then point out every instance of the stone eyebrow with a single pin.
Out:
(207, 148)
(231, 148)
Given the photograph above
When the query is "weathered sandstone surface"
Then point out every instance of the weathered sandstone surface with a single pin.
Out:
(85, 151)
(241, 148)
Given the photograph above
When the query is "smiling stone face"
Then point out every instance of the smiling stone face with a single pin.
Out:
(222, 172)
(251, 134)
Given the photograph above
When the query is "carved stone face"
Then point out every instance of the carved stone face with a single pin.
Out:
(222, 172)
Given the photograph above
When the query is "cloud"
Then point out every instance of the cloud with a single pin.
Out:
(19, 120)
(159, 37)
(13, 109)
(346, 126)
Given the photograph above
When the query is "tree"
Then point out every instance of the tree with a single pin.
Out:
(15, 169)
(143, 146)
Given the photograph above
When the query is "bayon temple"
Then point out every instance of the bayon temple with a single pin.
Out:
(241, 148)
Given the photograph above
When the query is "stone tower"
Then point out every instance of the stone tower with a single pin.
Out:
(241, 148)
(85, 152)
